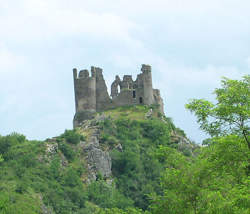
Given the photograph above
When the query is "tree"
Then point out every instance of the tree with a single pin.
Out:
(216, 181)
(231, 113)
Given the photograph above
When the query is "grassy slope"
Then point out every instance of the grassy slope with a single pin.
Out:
(31, 178)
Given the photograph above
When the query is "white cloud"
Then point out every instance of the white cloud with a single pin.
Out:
(37, 36)
(43, 20)
(28, 20)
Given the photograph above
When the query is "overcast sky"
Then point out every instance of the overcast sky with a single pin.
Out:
(190, 44)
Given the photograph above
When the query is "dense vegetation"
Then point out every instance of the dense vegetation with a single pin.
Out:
(152, 173)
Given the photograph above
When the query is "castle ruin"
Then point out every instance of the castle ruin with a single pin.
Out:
(91, 94)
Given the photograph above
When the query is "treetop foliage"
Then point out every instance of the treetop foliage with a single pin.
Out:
(230, 114)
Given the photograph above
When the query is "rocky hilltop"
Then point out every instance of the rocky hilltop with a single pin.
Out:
(109, 161)
(99, 144)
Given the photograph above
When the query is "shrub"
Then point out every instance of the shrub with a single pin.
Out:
(67, 151)
(71, 136)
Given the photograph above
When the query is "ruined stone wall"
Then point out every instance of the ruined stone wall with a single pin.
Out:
(116, 85)
(103, 100)
(124, 98)
(158, 100)
(91, 92)
(139, 85)
(131, 92)
(85, 91)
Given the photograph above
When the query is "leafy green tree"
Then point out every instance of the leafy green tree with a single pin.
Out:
(215, 182)
(179, 192)
(230, 114)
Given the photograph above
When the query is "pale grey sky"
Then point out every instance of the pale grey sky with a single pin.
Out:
(190, 44)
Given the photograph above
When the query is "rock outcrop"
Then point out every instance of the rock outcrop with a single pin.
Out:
(99, 161)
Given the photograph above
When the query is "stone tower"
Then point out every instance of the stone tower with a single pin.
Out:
(147, 85)
(85, 91)
(91, 94)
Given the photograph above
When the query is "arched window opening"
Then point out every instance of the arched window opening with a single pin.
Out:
(141, 100)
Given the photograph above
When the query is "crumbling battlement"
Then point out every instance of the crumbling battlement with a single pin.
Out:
(91, 94)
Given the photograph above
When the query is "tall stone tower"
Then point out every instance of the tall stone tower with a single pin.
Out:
(147, 85)
(85, 91)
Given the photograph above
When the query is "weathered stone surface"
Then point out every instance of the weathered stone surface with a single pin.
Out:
(99, 161)
(51, 148)
(103, 100)
(149, 113)
(183, 144)
(100, 118)
(82, 116)
(91, 94)
(114, 87)
(119, 147)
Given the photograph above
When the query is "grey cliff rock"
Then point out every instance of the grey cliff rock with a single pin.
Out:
(99, 161)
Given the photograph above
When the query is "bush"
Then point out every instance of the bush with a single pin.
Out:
(109, 139)
(156, 131)
(67, 151)
(71, 136)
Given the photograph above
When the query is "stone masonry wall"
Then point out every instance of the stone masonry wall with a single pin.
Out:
(91, 94)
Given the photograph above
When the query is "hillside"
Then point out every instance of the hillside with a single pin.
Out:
(110, 162)
(128, 160)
